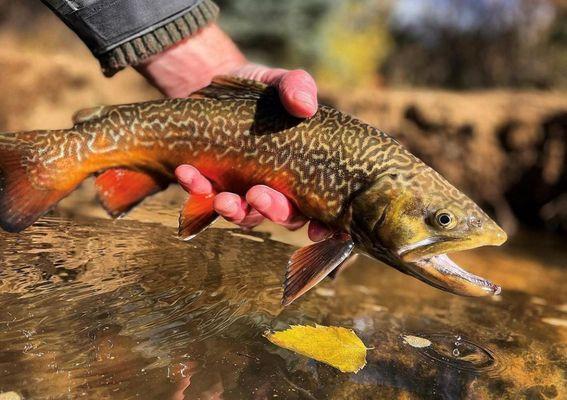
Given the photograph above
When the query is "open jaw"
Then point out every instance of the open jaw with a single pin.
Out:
(440, 271)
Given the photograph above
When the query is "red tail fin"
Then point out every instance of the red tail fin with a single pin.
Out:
(21, 202)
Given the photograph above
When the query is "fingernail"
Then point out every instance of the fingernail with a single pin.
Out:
(304, 97)
(202, 188)
(261, 202)
(187, 182)
(184, 177)
(228, 208)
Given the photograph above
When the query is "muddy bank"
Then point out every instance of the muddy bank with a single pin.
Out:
(507, 150)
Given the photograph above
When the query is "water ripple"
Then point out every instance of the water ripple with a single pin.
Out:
(454, 351)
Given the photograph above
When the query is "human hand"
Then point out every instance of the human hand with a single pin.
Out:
(191, 65)
(194, 62)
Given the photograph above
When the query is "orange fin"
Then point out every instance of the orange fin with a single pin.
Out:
(22, 203)
(311, 264)
(120, 189)
(196, 216)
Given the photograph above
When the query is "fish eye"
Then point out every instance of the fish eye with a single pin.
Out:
(445, 219)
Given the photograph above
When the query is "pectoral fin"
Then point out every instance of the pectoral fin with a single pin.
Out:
(120, 189)
(339, 270)
(310, 265)
(197, 214)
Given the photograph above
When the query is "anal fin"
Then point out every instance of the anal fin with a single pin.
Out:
(120, 189)
(197, 214)
(311, 264)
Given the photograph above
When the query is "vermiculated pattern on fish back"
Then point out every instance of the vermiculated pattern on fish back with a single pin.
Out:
(324, 160)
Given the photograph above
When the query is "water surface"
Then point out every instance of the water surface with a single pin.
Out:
(93, 308)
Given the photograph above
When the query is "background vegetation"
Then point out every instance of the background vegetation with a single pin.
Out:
(444, 43)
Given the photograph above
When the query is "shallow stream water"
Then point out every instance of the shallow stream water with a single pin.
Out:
(93, 308)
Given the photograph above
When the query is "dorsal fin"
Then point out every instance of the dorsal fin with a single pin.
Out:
(89, 114)
(229, 87)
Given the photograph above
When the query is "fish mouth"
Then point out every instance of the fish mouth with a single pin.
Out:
(428, 262)
(443, 273)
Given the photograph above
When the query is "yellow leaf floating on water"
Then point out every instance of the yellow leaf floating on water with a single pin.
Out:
(336, 346)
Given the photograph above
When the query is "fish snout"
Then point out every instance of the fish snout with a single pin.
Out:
(501, 236)
(495, 235)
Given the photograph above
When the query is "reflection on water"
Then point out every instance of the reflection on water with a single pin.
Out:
(99, 309)
(457, 353)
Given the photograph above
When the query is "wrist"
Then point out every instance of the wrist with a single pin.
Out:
(193, 62)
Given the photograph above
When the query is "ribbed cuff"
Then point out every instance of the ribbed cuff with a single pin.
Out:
(140, 48)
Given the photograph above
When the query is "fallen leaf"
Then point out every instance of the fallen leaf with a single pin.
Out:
(336, 346)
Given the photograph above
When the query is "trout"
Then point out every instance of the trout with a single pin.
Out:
(374, 194)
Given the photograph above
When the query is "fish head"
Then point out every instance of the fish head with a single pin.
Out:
(417, 228)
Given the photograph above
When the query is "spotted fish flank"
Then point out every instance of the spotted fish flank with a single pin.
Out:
(334, 168)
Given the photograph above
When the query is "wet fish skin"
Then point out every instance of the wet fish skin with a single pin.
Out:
(333, 167)
(235, 139)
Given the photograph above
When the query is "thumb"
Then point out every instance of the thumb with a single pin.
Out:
(298, 90)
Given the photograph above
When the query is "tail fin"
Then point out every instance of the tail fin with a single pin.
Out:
(21, 201)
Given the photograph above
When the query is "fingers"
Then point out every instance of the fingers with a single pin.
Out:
(235, 209)
(192, 181)
(231, 206)
(274, 206)
(298, 93)
(298, 90)
(261, 201)
(254, 218)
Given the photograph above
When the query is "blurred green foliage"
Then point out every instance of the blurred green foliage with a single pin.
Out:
(352, 41)
(341, 41)
(275, 31)
(448, 43)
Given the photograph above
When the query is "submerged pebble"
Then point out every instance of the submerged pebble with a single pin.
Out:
(555, 321)
(10, 396)
(539, 301)
(416, 341)
(248, 237)
(453, 351)
(325, 292)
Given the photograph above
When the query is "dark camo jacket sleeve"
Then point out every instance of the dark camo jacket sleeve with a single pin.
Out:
(125, 32)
